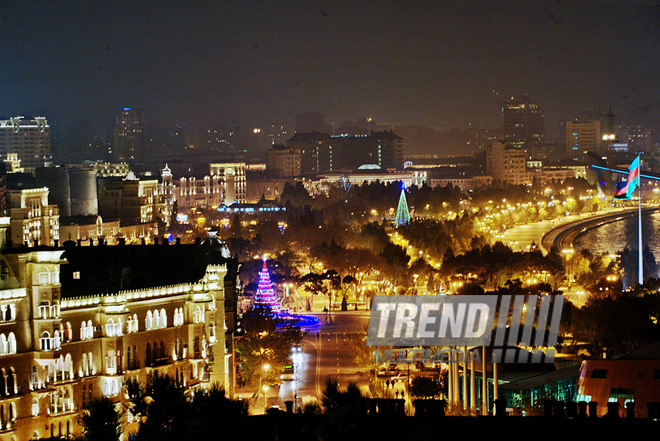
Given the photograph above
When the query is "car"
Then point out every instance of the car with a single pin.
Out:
(400, 377)
(392, 369)
(288, 374)
(297, 348)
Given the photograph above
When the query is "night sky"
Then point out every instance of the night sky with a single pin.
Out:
(437, 63)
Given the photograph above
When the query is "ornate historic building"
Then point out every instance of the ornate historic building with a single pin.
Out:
(59, 349)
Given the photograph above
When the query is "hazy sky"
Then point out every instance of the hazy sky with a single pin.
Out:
(436, 63)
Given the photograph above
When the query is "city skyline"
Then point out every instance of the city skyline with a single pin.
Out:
(441, 66)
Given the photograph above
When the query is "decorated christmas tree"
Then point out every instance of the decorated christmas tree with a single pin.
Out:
(265, 295)
(402, 213)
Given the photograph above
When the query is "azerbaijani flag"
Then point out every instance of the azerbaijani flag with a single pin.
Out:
(626, 191)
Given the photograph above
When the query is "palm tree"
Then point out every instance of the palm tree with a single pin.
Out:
(101, 421)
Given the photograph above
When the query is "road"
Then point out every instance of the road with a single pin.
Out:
(328, 354)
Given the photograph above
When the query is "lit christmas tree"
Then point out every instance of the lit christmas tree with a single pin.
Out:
(402, 213)
(265, 295)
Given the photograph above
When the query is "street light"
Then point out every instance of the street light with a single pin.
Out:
(265, 397)
(265, 386)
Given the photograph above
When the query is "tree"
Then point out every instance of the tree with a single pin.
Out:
(424, 387)
(167, 412)
(101, 421)
(268, 339)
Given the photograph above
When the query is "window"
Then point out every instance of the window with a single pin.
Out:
(211, 332)
(11, 343)
(35, 406)
(76, 275)
(44, 309)
(56, 340)
(619, 393)
(163, 318)
(198, 315)
(178, 316)
(110, 328)
(86, 330)
(599, 373)
(148, 320)
(34, 377)
(44, 341)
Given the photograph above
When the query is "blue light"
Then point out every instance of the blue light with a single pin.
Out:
(126, 108)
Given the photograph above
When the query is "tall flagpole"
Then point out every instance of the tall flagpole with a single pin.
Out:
(641, 269)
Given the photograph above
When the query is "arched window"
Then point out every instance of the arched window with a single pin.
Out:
(68, 367)
(148, 320)
(85, 366)
(163, 318)
(3, 344)
(12, 386)
(44, 341)
(11, 343)
(119, 327)
(56, 339)
(156, 321)
(68, 333)
(148, 359)
(198, 315)
(90, 329)
(110, 328)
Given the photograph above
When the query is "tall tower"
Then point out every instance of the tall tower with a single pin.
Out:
(402, 213)
(522, 121)
(166, 193)
(131, 135)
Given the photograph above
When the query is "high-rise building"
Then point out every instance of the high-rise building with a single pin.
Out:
(321, 153)
(131, 135)
(522, 121)
(582, 137)
(29, 139)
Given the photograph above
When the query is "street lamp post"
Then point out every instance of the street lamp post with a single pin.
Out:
(265, 386)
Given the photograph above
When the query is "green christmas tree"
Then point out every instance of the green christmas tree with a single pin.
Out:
(402, 213)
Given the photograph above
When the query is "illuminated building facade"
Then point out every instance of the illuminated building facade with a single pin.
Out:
(506, 165)
(232, 176)
(29, 139)
(58, 352)
(33, 220)
(197, 193)
(130, 199)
